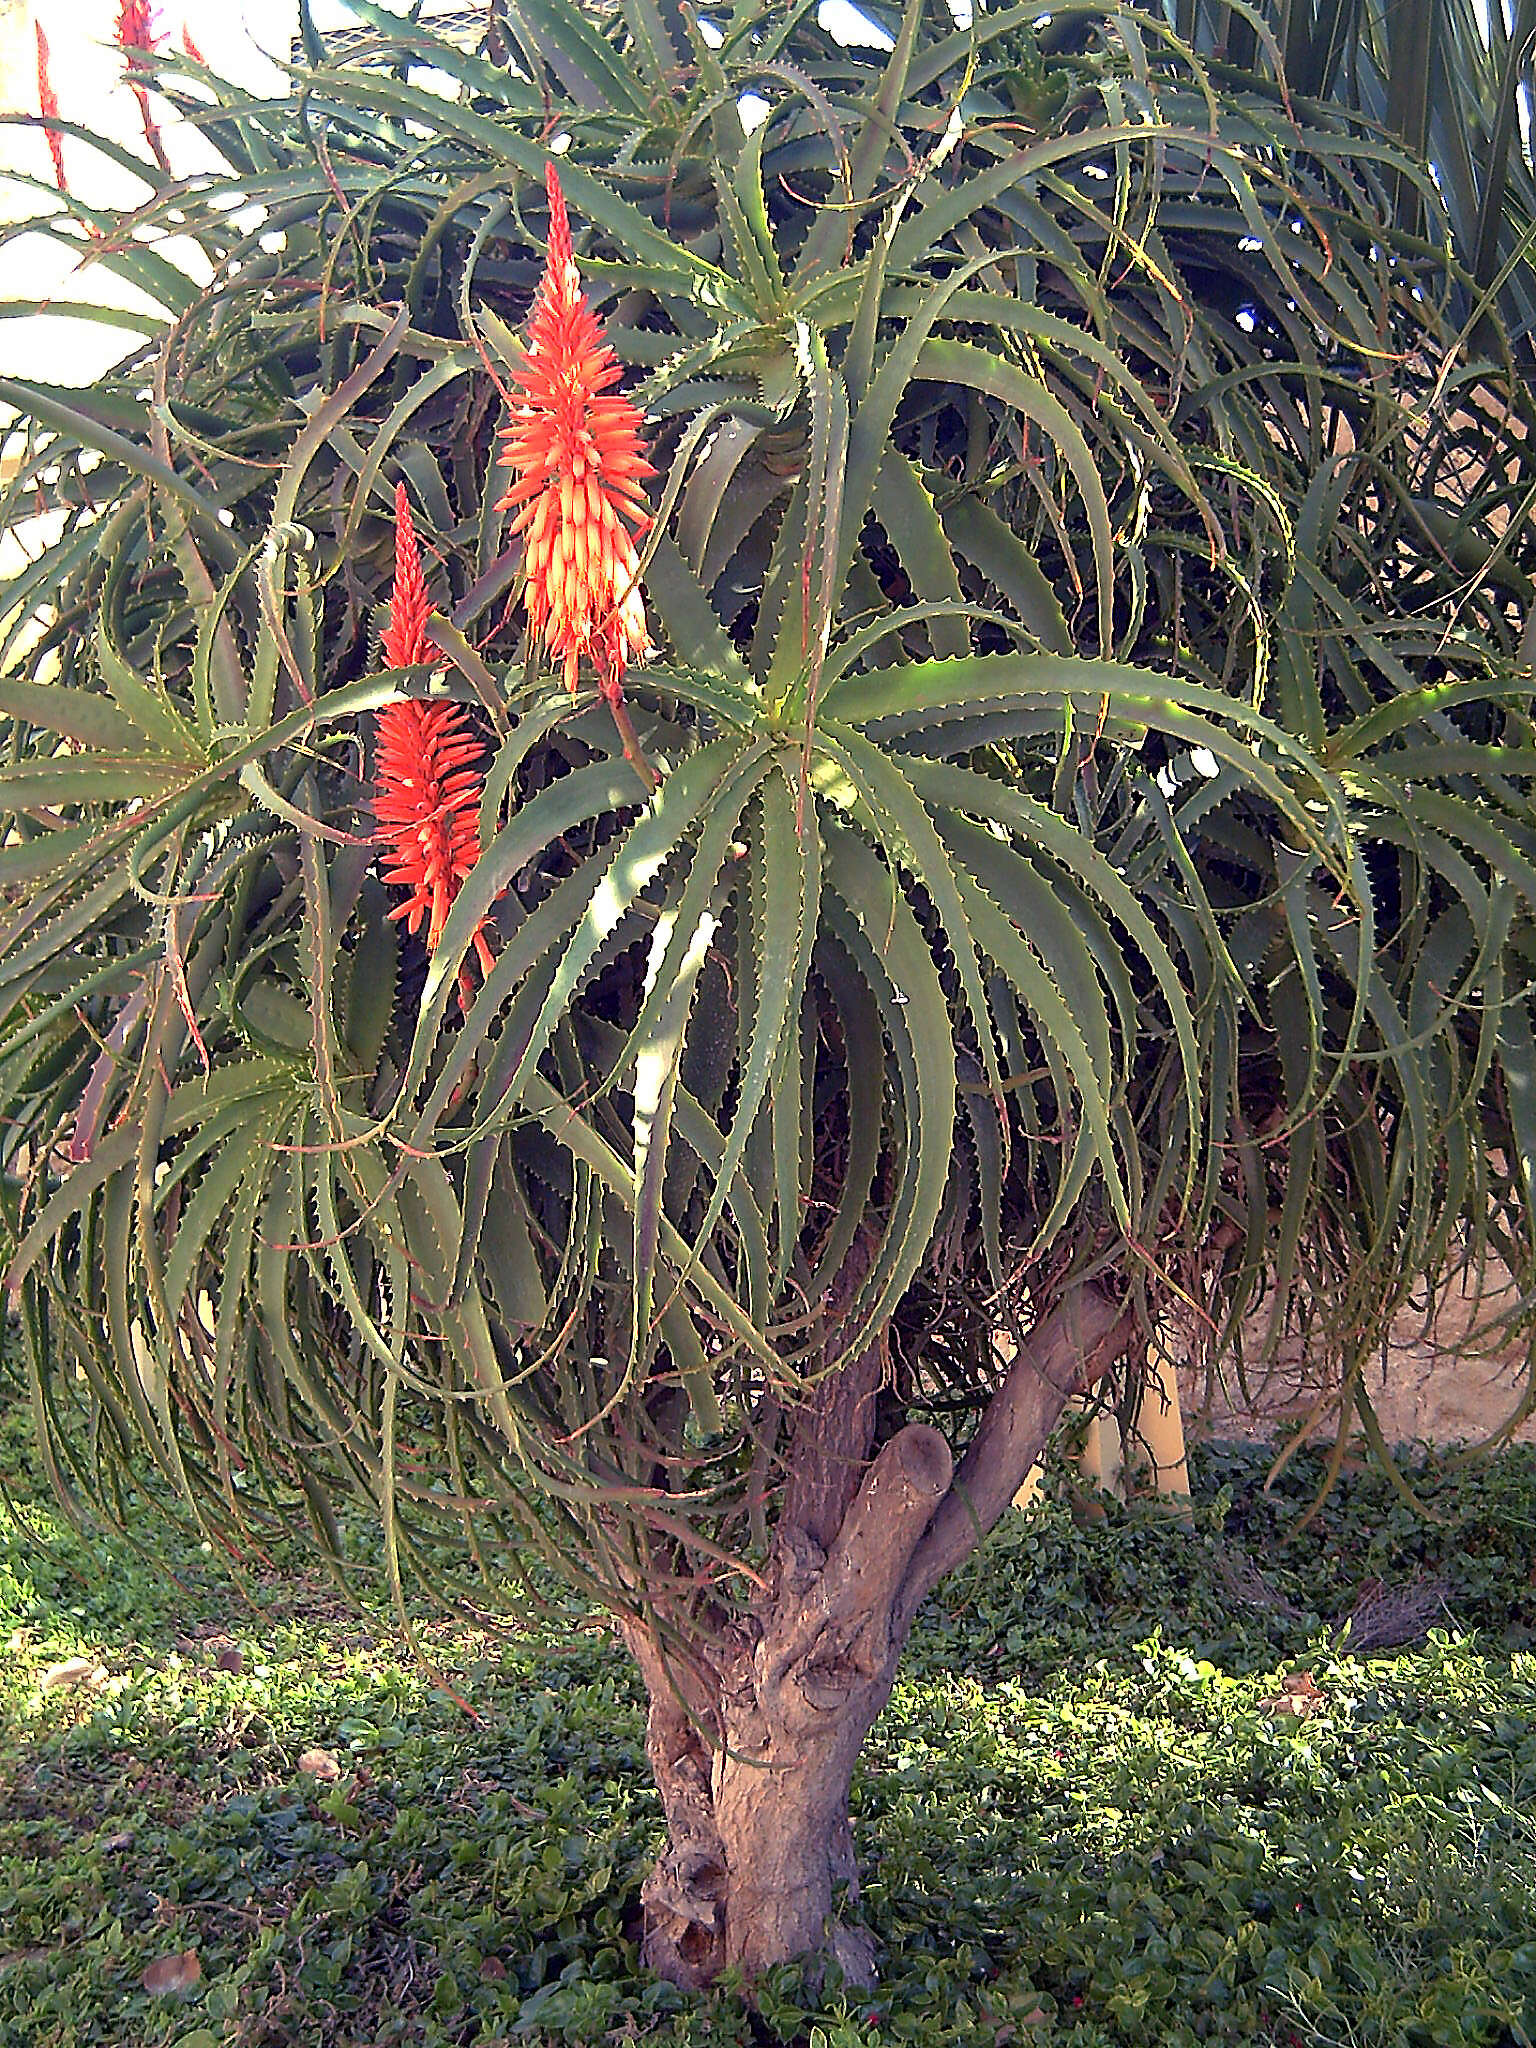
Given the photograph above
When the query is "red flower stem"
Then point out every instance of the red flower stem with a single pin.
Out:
(634, 753)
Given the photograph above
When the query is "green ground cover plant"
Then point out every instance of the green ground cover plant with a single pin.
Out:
(1083, 1820)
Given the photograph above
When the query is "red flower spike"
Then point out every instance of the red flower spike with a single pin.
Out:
(136, 33)
(577, 458)
(48, 106)
(136, 26)
(405, 641)
(190, 47)
(428, 807)
(429, 782)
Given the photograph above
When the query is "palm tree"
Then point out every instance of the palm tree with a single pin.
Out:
(1050, 846)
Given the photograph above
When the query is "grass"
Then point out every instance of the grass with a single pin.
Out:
(1082, 1819)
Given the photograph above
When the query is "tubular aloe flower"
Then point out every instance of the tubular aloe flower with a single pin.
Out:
(48, 106)
(577, 459)
(427, 805)
(428, 783)
(190, 47)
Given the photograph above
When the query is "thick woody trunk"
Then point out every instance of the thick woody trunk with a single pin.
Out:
(754, 1759)
(753, 1737)
(759, 1885)
(789, 1853)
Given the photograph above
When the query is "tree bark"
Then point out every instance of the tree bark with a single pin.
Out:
(1065, 1353)
(753, 1734)
(684, 1896)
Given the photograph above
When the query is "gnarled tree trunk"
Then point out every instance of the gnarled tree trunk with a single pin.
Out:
(753, 1735)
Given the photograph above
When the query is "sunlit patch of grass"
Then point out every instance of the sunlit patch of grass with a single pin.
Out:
(1083, 1817)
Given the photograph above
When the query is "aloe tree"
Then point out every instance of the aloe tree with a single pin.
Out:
(1066, 857)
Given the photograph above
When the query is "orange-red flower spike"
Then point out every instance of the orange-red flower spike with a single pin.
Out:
(48, 106)
(427, 803)
(574, 447)
(428, 771)
(405, 638)
(136, 32)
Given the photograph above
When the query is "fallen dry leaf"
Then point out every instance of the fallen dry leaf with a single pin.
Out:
(73, 1671)
(172, 1973)
(1299, 1695)
(1006, 2031)
(319, 1763)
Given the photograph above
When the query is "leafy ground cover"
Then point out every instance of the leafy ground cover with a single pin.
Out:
(1094, 1811)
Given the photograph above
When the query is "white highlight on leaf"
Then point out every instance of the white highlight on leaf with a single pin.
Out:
(954, 134)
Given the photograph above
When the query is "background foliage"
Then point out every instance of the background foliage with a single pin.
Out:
(1450, 80)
